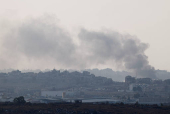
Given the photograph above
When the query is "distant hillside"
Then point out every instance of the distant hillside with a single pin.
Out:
(162, 74)
(120, 75)
(109, 73)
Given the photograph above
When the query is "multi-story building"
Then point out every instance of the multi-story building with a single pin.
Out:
(130, 80)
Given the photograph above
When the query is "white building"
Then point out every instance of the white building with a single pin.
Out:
(51, 93)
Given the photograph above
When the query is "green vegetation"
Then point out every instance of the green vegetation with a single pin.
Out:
(19, 100)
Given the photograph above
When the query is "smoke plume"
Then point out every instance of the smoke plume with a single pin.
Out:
(42, 43)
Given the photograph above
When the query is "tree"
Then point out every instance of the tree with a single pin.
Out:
(121, 103)
(19, 100)
(137, 103)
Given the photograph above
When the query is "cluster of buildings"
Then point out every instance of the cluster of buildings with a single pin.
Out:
(56, 86)
(148, 90)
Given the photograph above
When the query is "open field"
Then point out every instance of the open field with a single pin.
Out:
(28, 108)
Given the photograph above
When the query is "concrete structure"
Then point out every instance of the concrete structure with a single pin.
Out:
(144, 80)
(51, 93)
(153, 100)
(130, 79)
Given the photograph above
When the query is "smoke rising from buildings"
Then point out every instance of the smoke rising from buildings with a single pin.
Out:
(40, 43)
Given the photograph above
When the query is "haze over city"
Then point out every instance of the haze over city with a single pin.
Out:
(122, 35)
(84, 56)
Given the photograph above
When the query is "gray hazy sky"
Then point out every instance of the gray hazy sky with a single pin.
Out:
(148, 20)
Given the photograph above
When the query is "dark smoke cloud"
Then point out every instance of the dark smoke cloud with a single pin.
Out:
(41, 43)
(113, 47)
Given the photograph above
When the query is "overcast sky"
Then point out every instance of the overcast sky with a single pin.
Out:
(148, 20)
